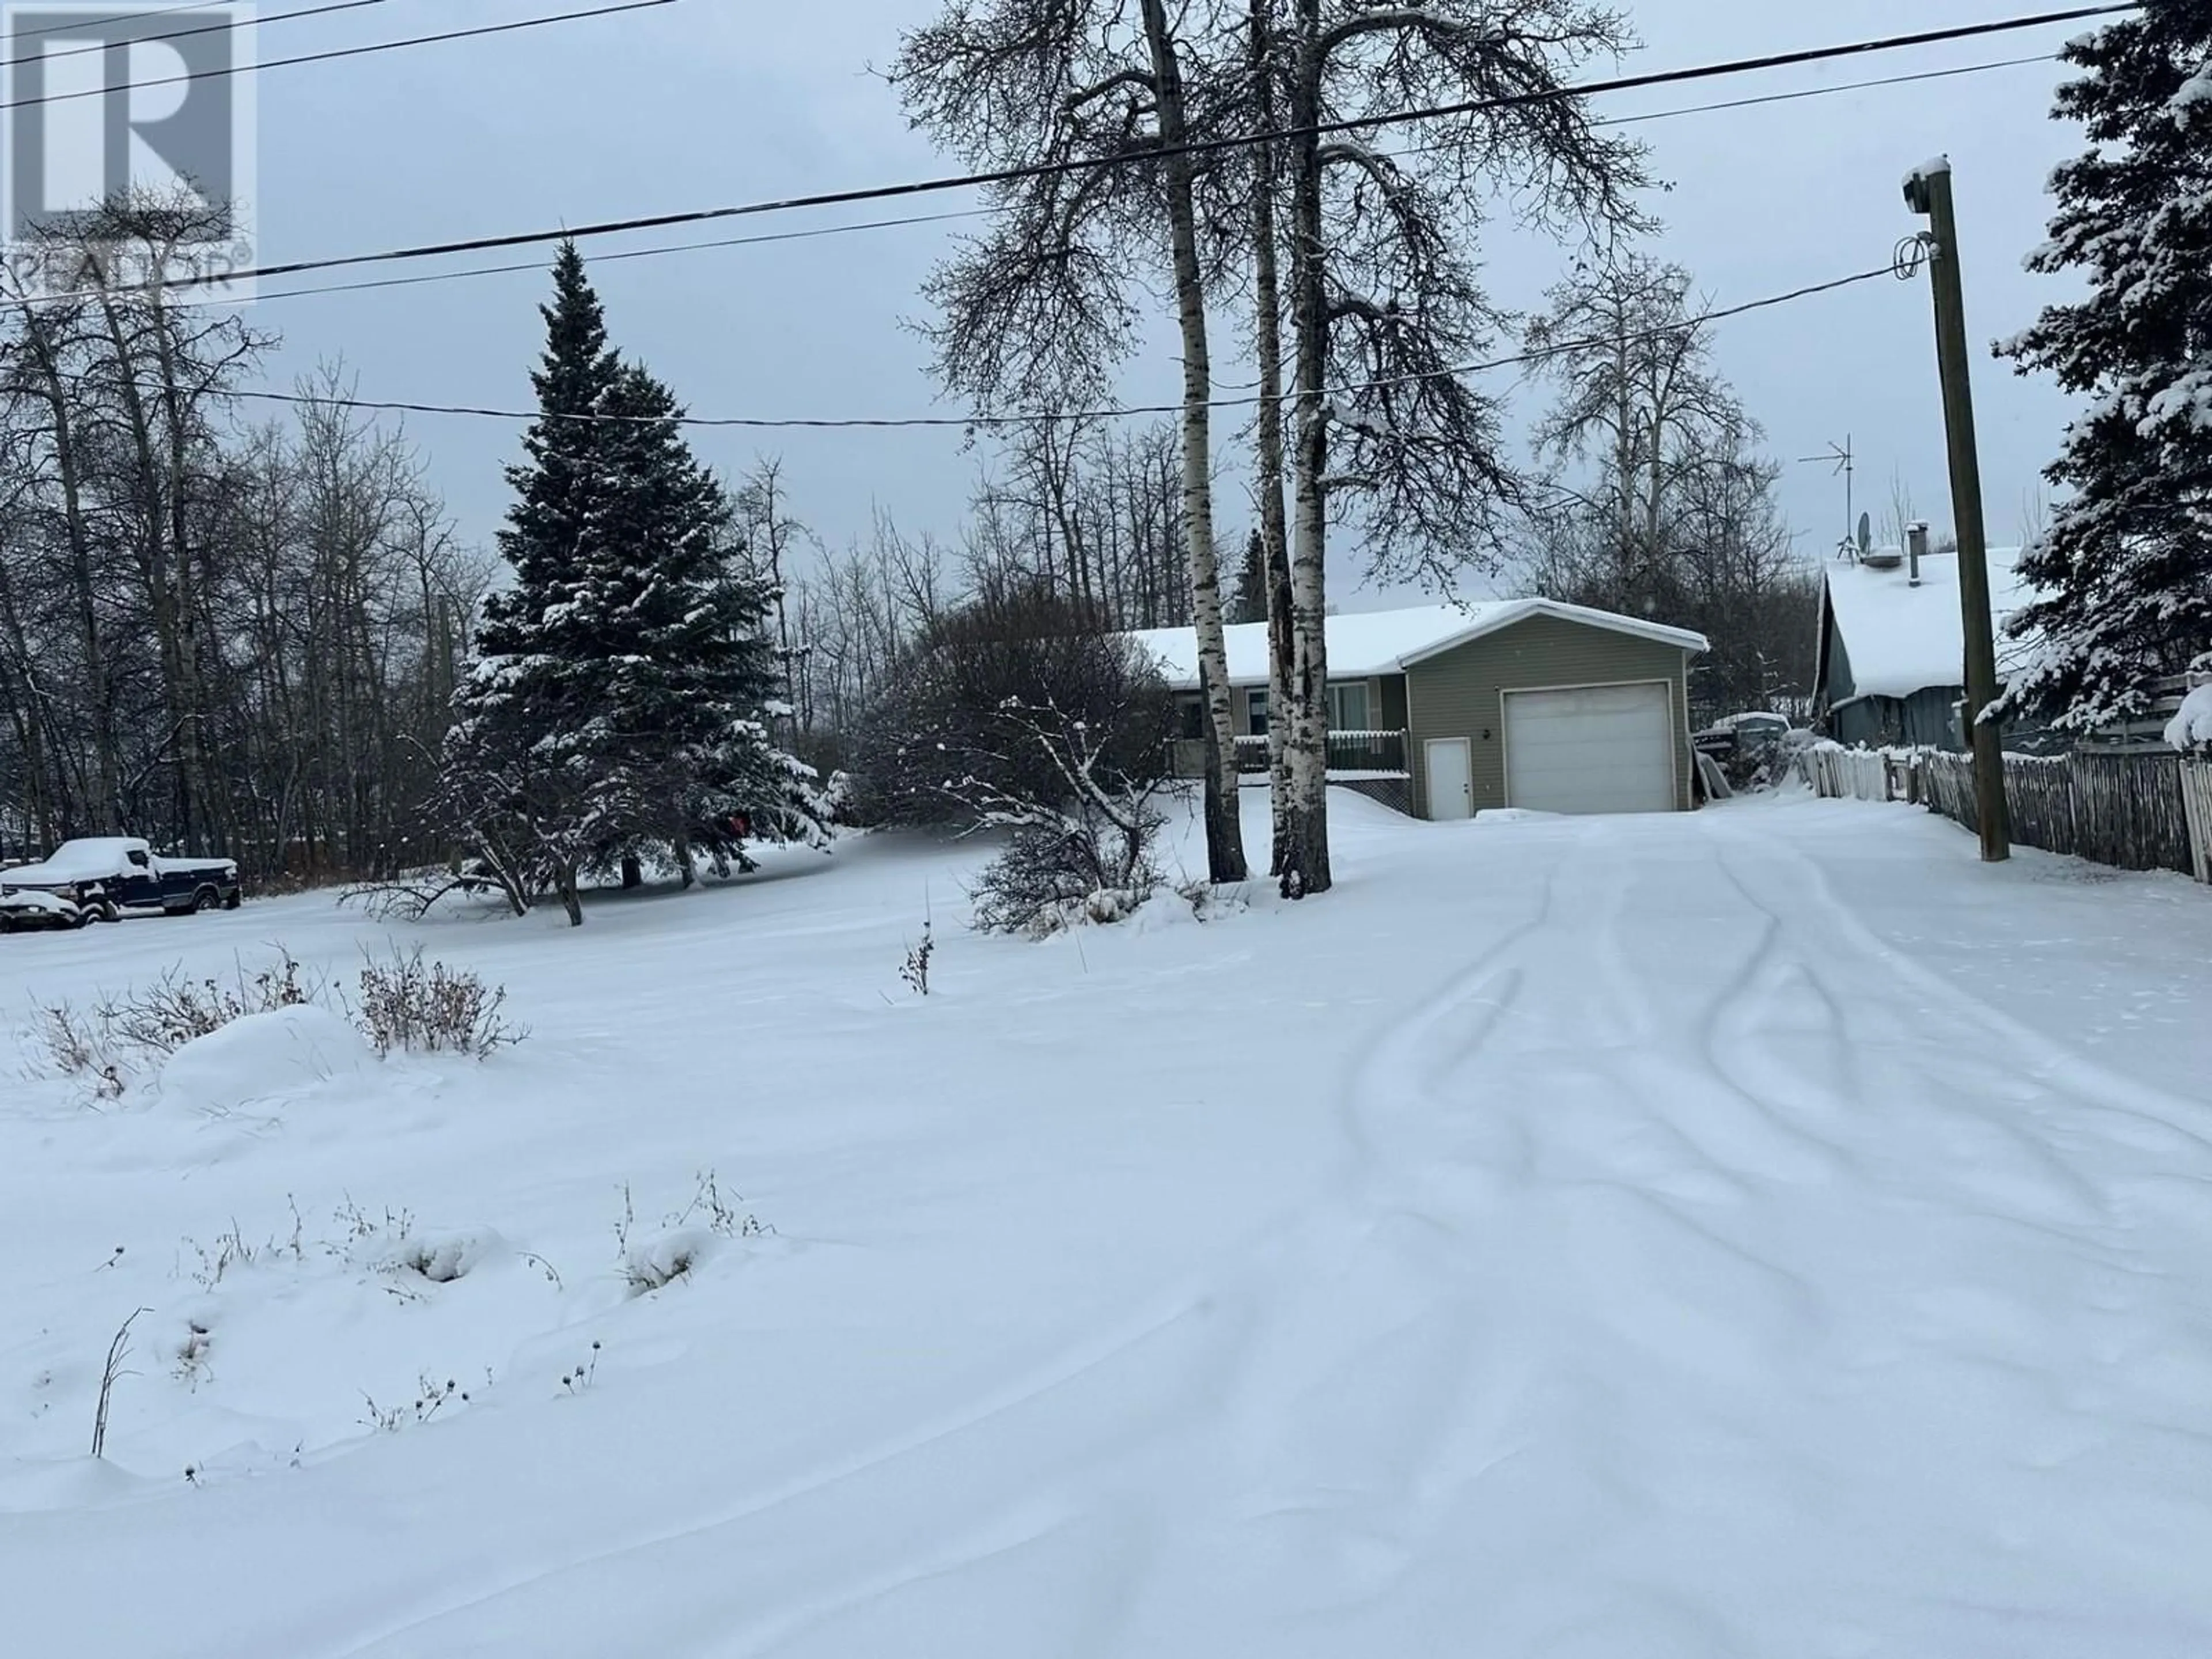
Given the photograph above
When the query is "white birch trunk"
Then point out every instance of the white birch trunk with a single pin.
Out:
(1275, 527)
(1224, 836)
(1306, 868)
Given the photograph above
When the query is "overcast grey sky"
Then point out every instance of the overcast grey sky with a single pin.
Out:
(717, 102)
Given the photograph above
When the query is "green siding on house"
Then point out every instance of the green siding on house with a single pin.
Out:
(1461, 694)
(1839, 686)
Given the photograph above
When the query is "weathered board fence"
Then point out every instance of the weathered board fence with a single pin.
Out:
(2197, 800)
(2137, 809)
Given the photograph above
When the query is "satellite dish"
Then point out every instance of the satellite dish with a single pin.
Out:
(1866, 534)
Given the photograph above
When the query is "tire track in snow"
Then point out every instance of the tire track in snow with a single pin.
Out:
(2015, 1103)
(1983, 1118)
(1374, 1396)
(1402, 1061)
(2050, 1062)
(1977, 1118)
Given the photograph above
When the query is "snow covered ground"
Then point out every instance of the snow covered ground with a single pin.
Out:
(1759, 1233)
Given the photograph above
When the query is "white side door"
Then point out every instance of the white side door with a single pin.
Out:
(1451, 778)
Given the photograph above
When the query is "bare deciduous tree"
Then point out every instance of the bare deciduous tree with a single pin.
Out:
(1385, 306)
(1033, 310)
(224, 639)
(1639, 389)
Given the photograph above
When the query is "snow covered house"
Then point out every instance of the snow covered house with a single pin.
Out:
(1443, 711)
(1893, 655)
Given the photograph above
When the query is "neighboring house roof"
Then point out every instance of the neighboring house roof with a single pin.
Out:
(1368, 643)
(1900, 639)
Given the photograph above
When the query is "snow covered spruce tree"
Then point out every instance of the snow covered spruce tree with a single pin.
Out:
(520, 762)
(2126, 566)
(690, 673)
(615, 706)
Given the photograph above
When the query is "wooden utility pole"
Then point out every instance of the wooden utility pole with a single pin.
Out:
(1928, 191)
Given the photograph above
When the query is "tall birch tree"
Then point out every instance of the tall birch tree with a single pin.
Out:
(1033, 311)
(1386, 308)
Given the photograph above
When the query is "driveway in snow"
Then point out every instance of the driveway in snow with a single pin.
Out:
(1761, 1233)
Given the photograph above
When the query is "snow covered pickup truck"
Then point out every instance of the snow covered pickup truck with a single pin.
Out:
(107, 875)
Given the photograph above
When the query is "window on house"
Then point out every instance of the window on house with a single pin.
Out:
(1190, 716)
(1347, 707)
(1256, 707)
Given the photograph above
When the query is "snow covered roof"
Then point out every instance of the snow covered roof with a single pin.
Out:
(1901, 639)
(1371, 642)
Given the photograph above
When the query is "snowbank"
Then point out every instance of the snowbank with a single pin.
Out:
(263, 1056)
(2191, 728)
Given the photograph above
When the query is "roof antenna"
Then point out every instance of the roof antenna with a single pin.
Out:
(1838, 456)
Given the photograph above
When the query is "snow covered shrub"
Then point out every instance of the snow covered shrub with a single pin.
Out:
(954, 728)
(360, 1225)
(1067, 869)
(409, 1002)
(659, 1262)
(915, 972)
(191, 1368)
(430, 1397)
(722, 1217)
(125, 1033)
(78, 1047)
(443, 1258)
(405, 1002)
(176, 1011)
(229, 1250)
(689, 1236)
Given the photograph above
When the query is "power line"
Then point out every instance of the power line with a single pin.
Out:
(180, 35)
(158, 11)
(330, 55)
(1195, 146)
(1826, 92)
(1118, 412)
(537, 266)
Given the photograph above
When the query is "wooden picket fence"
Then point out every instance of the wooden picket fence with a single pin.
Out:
(1841, 773)
(2125, 808)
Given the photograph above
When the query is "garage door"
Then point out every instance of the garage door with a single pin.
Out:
(1608, 749)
